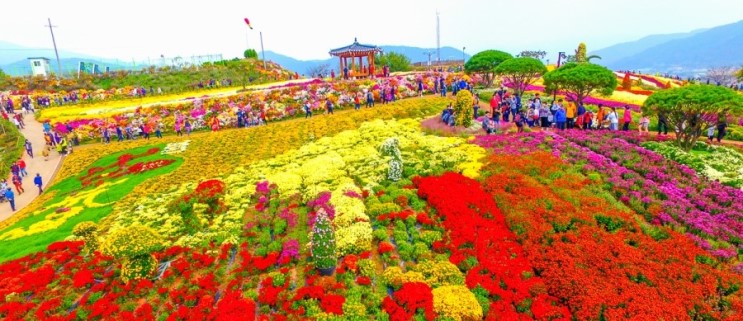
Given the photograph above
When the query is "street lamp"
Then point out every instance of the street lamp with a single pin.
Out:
(463, 54)
(560, 57)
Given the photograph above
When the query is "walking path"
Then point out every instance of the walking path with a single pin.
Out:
(34, 132)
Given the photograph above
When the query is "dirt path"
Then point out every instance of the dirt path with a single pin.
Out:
(34, 132)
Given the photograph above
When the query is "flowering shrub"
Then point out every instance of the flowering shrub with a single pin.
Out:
(87, 232)
(412, 298)
(456, 302)
(133, 245)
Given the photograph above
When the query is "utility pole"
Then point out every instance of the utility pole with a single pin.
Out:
(429, 54)
(438, 38)
(263, 52)
(59, 64)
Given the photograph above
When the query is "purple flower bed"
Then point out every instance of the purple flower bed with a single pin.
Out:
(662, 190)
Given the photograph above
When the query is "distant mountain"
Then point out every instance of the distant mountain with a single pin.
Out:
(694, 52)
(620, 51)
(415, 54)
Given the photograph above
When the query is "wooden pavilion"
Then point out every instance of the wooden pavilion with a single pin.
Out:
(356, 51)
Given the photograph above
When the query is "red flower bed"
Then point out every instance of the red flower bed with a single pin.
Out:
(477, 229)
(596, 258)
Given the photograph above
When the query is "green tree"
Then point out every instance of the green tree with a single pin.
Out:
(580, 80)
(521, 72)
(484, 62)
(396, 61)
(250, 53)
(3, 78)
(692, 109)
(739, 74)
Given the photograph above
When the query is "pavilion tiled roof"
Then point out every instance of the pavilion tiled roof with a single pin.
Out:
(356, 48)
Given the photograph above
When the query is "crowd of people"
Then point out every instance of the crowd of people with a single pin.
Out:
(18, 173)
(560, 114)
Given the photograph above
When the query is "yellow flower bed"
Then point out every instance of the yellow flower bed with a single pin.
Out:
(627, 97)
(353, 232)
(213, 154)
(456, 302)
(327, 164)
(112, 107)
(435, 274)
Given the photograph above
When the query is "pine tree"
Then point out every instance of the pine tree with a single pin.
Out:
(627, 82)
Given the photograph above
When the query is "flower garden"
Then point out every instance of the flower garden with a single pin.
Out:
(363, 215)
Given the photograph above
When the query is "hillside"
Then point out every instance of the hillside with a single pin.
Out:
(719, 46)
(69, 65)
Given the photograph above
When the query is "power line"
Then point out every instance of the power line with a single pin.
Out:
(25, 49)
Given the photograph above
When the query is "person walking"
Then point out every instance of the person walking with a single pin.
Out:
(644, 125)
(627, 118)
(307, 110)
(22, 168)
(561, 118)
(721, 130)
(38, 182)
(158, 130)
(119, 134)
(11, 198)
(18, 183)
(357, 102)
(570, 112)
(329, 106)
(29, 148)
(45, 152)
(662, 124)
(711, 133)
(613, 119)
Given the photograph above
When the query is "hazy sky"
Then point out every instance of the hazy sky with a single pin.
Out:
(308, 29)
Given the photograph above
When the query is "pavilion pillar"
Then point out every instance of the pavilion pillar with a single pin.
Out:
(340, 63)
(353, 65)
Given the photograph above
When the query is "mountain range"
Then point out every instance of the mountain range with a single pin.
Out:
(415, 54)
(688, 53)
(682, 53)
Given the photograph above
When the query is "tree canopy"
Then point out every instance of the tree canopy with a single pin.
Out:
(396, 61)
(580, 80)
(521, 72)
(692, 109)
(484, 62)
(250, 53)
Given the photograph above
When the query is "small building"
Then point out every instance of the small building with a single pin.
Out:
(39, 66)
(356, 51)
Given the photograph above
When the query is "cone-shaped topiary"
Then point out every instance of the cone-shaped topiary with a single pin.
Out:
(463, 108)
(323, 242)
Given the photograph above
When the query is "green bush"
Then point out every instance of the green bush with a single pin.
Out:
(11, 146)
